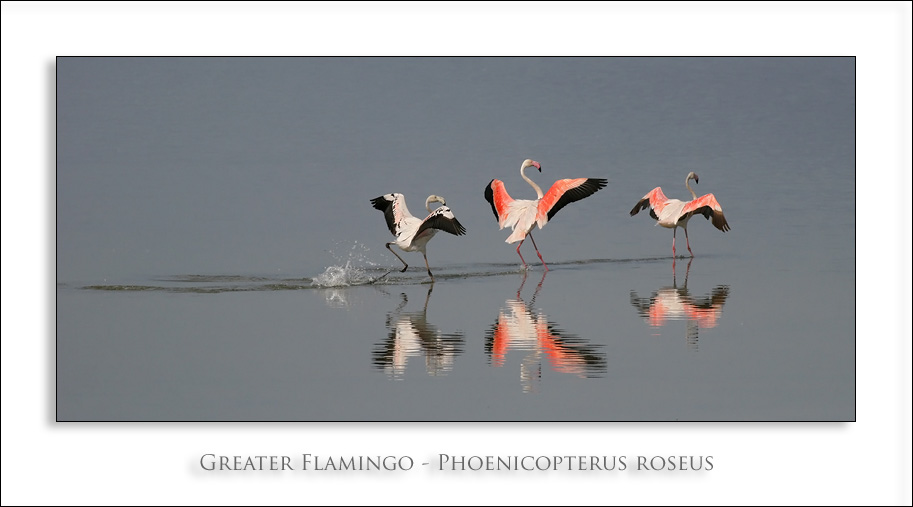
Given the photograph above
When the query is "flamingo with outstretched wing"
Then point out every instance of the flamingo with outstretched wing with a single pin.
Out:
(523, 214)
(673, 213)
(413, 234)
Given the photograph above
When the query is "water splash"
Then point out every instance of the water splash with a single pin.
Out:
(353, 269)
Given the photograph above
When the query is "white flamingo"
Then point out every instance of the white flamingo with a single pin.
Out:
(522, 214)
(673, 213)
(412, 335)
(412, 234)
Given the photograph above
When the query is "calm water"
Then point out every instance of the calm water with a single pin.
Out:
(219, 259)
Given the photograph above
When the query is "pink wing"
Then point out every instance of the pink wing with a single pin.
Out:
(497, 196)
(564, 192)
(655, 199)
(708, 206)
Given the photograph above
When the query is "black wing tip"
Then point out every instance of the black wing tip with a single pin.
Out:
(460, 230)
(724, 225)
(441, 223)
(642, 204)
(381, 202)
(582, 191)
(454, 226)
(490, 197)
(716, 218)
(591, 186)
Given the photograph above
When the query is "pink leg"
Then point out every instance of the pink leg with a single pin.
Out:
(688, 242)
(521, 255)
(537, 251)
(673, 241)
(522, 284)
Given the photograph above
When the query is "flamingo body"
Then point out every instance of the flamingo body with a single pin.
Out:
(522, 215)
(674, 213)
(413, 234)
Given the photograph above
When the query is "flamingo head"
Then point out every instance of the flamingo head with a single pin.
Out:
(530, 162)
(692, 176)
(434, 198)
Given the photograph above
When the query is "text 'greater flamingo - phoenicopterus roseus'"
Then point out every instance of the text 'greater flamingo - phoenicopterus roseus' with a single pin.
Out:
(673, 213)
(523, 214)
(412, 234)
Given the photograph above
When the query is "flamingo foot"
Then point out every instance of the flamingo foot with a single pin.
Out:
(543, 260)
(525, 266)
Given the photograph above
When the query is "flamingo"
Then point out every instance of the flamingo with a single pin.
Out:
(412, 335)
(677, 303)
(520, 327)
(412, 234)
(522, 214)
(673, 213)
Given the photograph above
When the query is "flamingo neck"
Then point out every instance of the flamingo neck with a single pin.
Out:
(688, 185)
(531, 182)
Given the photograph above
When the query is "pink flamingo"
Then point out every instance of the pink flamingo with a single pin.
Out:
(673, 213)
(522, 214)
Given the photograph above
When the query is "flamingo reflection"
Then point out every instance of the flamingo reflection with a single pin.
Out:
(411, 335)
(519, 327)
(674, 303)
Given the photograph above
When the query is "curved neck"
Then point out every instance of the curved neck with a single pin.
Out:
(531, 182)
(429, 200)
(688, 184)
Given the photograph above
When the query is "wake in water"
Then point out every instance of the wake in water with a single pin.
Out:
(353, 269)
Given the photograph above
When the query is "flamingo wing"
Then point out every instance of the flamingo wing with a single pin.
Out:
(395, 210)
(498, 340)
(442, 219)
(714, 301)
(656, 200)
(564, 192)
(708, 206)
(497, 196)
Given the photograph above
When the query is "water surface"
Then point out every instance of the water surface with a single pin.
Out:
(218, 257)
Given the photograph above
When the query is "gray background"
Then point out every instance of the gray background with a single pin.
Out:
(220, 174)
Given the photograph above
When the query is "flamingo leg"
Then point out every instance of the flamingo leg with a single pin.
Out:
(688, 242)
(427, 266)
(538, 288)
(405, 266)
(537, 251)
(521, 255)
(673, 242)
(522, 284)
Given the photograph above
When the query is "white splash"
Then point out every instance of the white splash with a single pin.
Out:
(351, 271)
